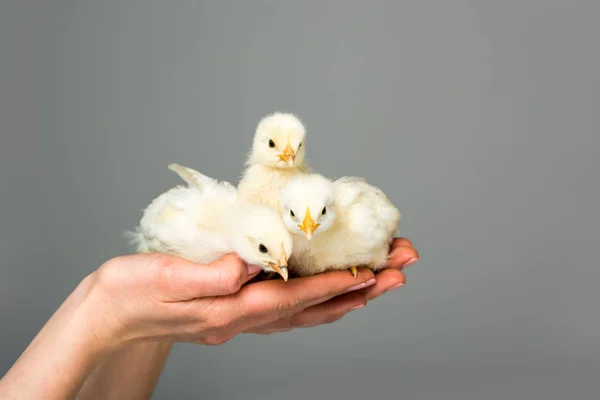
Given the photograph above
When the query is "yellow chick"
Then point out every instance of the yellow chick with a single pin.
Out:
(277, 155)
(205, 220)
(344, 224)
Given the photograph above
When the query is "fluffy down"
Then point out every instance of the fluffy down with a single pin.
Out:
(277, 155)
(350, 223)
(205, 220)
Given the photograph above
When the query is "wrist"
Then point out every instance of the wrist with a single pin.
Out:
(66, 348)
(97, 316)
(78, 318)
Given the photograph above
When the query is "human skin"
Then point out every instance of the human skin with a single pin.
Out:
(131, 310)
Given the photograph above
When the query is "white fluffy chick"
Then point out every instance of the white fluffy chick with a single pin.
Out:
(205, 220)
(277, 155)
(337, 225)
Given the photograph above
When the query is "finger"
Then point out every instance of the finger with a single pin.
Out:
(179, 280)
(401, 257)
(400, 242)
(388, 279)
(324, 313)
(329, 311)
(279, 299)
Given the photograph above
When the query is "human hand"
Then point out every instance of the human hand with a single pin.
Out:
(402, 254)
(164, 297)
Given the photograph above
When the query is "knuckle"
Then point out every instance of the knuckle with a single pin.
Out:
(216, 340)
(109, 274)
(162, 261)
(165, 273)
(160, 266)
(212, 340)
(232, 279)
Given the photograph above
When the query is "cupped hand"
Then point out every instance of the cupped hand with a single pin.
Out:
(164, 297)
(402, 254)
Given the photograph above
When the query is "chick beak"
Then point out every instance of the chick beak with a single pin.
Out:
(288, 154)
(281, 270)
(281, 266)
(308, 225)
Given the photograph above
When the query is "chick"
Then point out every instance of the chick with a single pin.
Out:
(277, 155)
(205, 220)
(337, 225)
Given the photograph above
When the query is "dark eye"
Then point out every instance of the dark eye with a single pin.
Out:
(324, 211)
(262, 248)
(271, 143)
(292, 213)
(300, 145)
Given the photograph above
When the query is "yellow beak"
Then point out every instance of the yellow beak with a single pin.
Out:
(288, 154)
(308, 225)
(281, 270)
(281, 266)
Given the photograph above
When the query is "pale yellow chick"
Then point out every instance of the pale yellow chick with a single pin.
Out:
(205, 220)
(337, 225)
(277, 155)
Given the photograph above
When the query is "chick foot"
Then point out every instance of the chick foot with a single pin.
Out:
(354, 270)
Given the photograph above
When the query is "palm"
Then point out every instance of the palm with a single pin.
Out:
(402, 254)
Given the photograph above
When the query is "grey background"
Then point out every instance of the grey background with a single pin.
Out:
(480, 119)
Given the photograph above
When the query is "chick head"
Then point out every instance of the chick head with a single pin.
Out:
(307, 205)
(279, 141)
(263, 240)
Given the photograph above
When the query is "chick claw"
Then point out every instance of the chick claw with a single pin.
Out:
(354, 271)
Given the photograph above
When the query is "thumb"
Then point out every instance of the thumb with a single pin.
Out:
(232, 271)
(183, 280)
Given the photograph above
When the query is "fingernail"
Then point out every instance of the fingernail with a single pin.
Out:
(410, 262)
(253, 269)
(362, 285)
(356, 307)
(396, 286)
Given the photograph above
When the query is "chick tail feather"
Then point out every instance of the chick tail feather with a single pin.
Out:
(137, 240)
(191, 177)
(195, 179)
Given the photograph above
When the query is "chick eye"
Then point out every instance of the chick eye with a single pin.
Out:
(292, 213)
(262, 248)
(271, 143)
(324, 211)
(300, 145)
